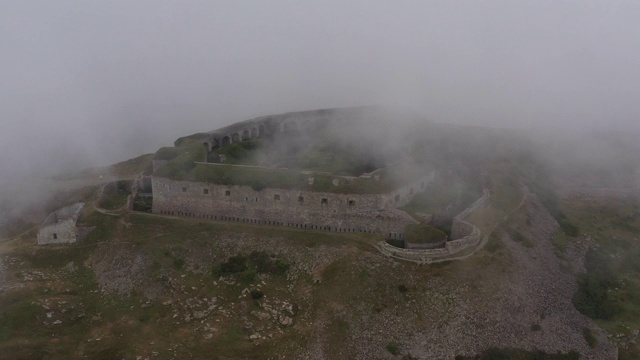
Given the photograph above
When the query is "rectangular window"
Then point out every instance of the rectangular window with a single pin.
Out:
(184, 189)
(352, 202)
(324, 201)
(205, 191)
(55, 236)
(276, 197)
(300, 199)
(227, 193)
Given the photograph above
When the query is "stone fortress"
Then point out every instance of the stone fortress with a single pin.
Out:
(303, 207)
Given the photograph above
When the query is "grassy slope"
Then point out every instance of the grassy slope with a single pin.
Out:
(614, 223)
(23, 332)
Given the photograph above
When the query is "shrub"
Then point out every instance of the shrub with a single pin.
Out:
(393, 348)
(589, 337)
(403, 288)
(257, 294)
(261, 261)
(569, 228)
(249, 276)
(592, 297)
(235, 264)
(257, 262)
(178, 263)
(520, 354)
(281, 267)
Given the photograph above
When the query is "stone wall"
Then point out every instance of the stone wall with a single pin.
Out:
(464, 234)
(284, 207)
(451, 248)
(403, 195)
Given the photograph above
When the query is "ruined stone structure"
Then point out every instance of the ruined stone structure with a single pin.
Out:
(464, 235)
(60, 226)
(274, 125)
(374, 213)
(329, 211)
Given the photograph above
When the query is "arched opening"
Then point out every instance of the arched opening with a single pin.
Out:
(235, 137)
(226, 140)
(254, 133)
(245, 135)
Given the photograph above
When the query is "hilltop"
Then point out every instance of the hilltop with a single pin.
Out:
(163, 286)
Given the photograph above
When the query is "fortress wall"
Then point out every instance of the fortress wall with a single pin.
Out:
(471, 238)
(453, 247)
(323, 211)
(465, 235)
(460, 228)
(403, 195)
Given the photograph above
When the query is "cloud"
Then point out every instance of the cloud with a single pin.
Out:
(92, 83)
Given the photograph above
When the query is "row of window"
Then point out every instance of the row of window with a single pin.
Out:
(268, 222)
(276, 197)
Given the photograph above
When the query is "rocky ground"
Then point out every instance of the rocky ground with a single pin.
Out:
(158, 299)
(526, 304)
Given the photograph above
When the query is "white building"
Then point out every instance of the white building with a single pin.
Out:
(60, 226)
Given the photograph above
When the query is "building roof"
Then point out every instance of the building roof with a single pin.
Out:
(69, 212)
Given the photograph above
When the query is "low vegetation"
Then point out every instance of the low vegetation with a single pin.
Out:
(424, 234)
(256, 262)
(519, 354)
(610, 289)
(114, 195)
(544, 190)
(393, 348)
(592, 297)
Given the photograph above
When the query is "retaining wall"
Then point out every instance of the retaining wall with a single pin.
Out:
(284, 207)
(464, 234)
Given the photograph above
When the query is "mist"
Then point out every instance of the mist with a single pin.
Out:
(88, 84)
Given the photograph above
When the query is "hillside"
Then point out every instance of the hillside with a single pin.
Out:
(554, 275)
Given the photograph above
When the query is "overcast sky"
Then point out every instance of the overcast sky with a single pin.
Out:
(104, 81)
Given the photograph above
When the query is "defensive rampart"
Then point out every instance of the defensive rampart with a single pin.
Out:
(373, 213)
(282, 124)
(464, 236)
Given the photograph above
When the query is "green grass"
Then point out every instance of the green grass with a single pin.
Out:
(115, 195)
(18, 319)
(519, 354)
(181, 166)
(517, 236)
(589, 337)
(610, 291)
(393, 348)
(424, 234)
(262, 178)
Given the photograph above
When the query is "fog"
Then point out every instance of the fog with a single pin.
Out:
(89, 83)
